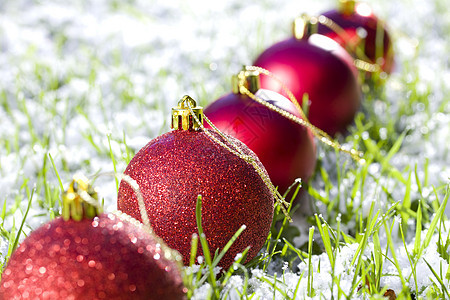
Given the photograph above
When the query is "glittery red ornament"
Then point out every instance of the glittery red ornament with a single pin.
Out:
(286, 149)
(105, 257)
(361, 28)
(176, 167)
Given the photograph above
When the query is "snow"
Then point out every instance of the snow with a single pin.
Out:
(344, 269)
(115, 68)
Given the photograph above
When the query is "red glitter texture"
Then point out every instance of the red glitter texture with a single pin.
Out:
(174, 168)
(319, 67)
(104, 258)
(285, 148)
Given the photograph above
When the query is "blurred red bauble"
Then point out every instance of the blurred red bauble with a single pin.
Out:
(285, 148)
(109, 256)
(176, 167)
(316, 65)
(363, 30)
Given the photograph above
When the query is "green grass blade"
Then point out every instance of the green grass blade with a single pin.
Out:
(310, 267)
(323, 229)
(194, 248)
(3, 213)
(16, 241)
(390, 245)
(56, 173)
(228, 245)
(111, 154)
(417, 241)
(444, 288)
(434, 222)
(205, 247)
(238, 263)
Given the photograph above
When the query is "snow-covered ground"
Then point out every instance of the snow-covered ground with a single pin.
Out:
(74, 74)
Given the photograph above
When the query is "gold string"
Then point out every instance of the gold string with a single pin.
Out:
(362, 61)
(140, 198)
(320, 134)
(169, 253)
(284, 205)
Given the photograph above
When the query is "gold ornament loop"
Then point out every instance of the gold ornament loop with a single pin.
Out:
(250, 79)
(236, 150)
(182, 117)
(346, 7)
(80, 200)
(304, 26)
(320, 134)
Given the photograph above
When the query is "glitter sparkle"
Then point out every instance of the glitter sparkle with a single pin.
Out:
(173, 169)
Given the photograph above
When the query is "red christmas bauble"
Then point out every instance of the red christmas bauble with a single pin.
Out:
(286, 149)
(107, 257)
(319, 67)
(362, 29)
(176, 167)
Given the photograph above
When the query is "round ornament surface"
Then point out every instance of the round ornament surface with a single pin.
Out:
(107, 257)
(319, 67)
(176, 167)
(285, 148)
(363, 30)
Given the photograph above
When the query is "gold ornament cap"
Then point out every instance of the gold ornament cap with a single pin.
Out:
(250, 78)
(182, 118)
(347, 7)
(80, 200)
(304, 26)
